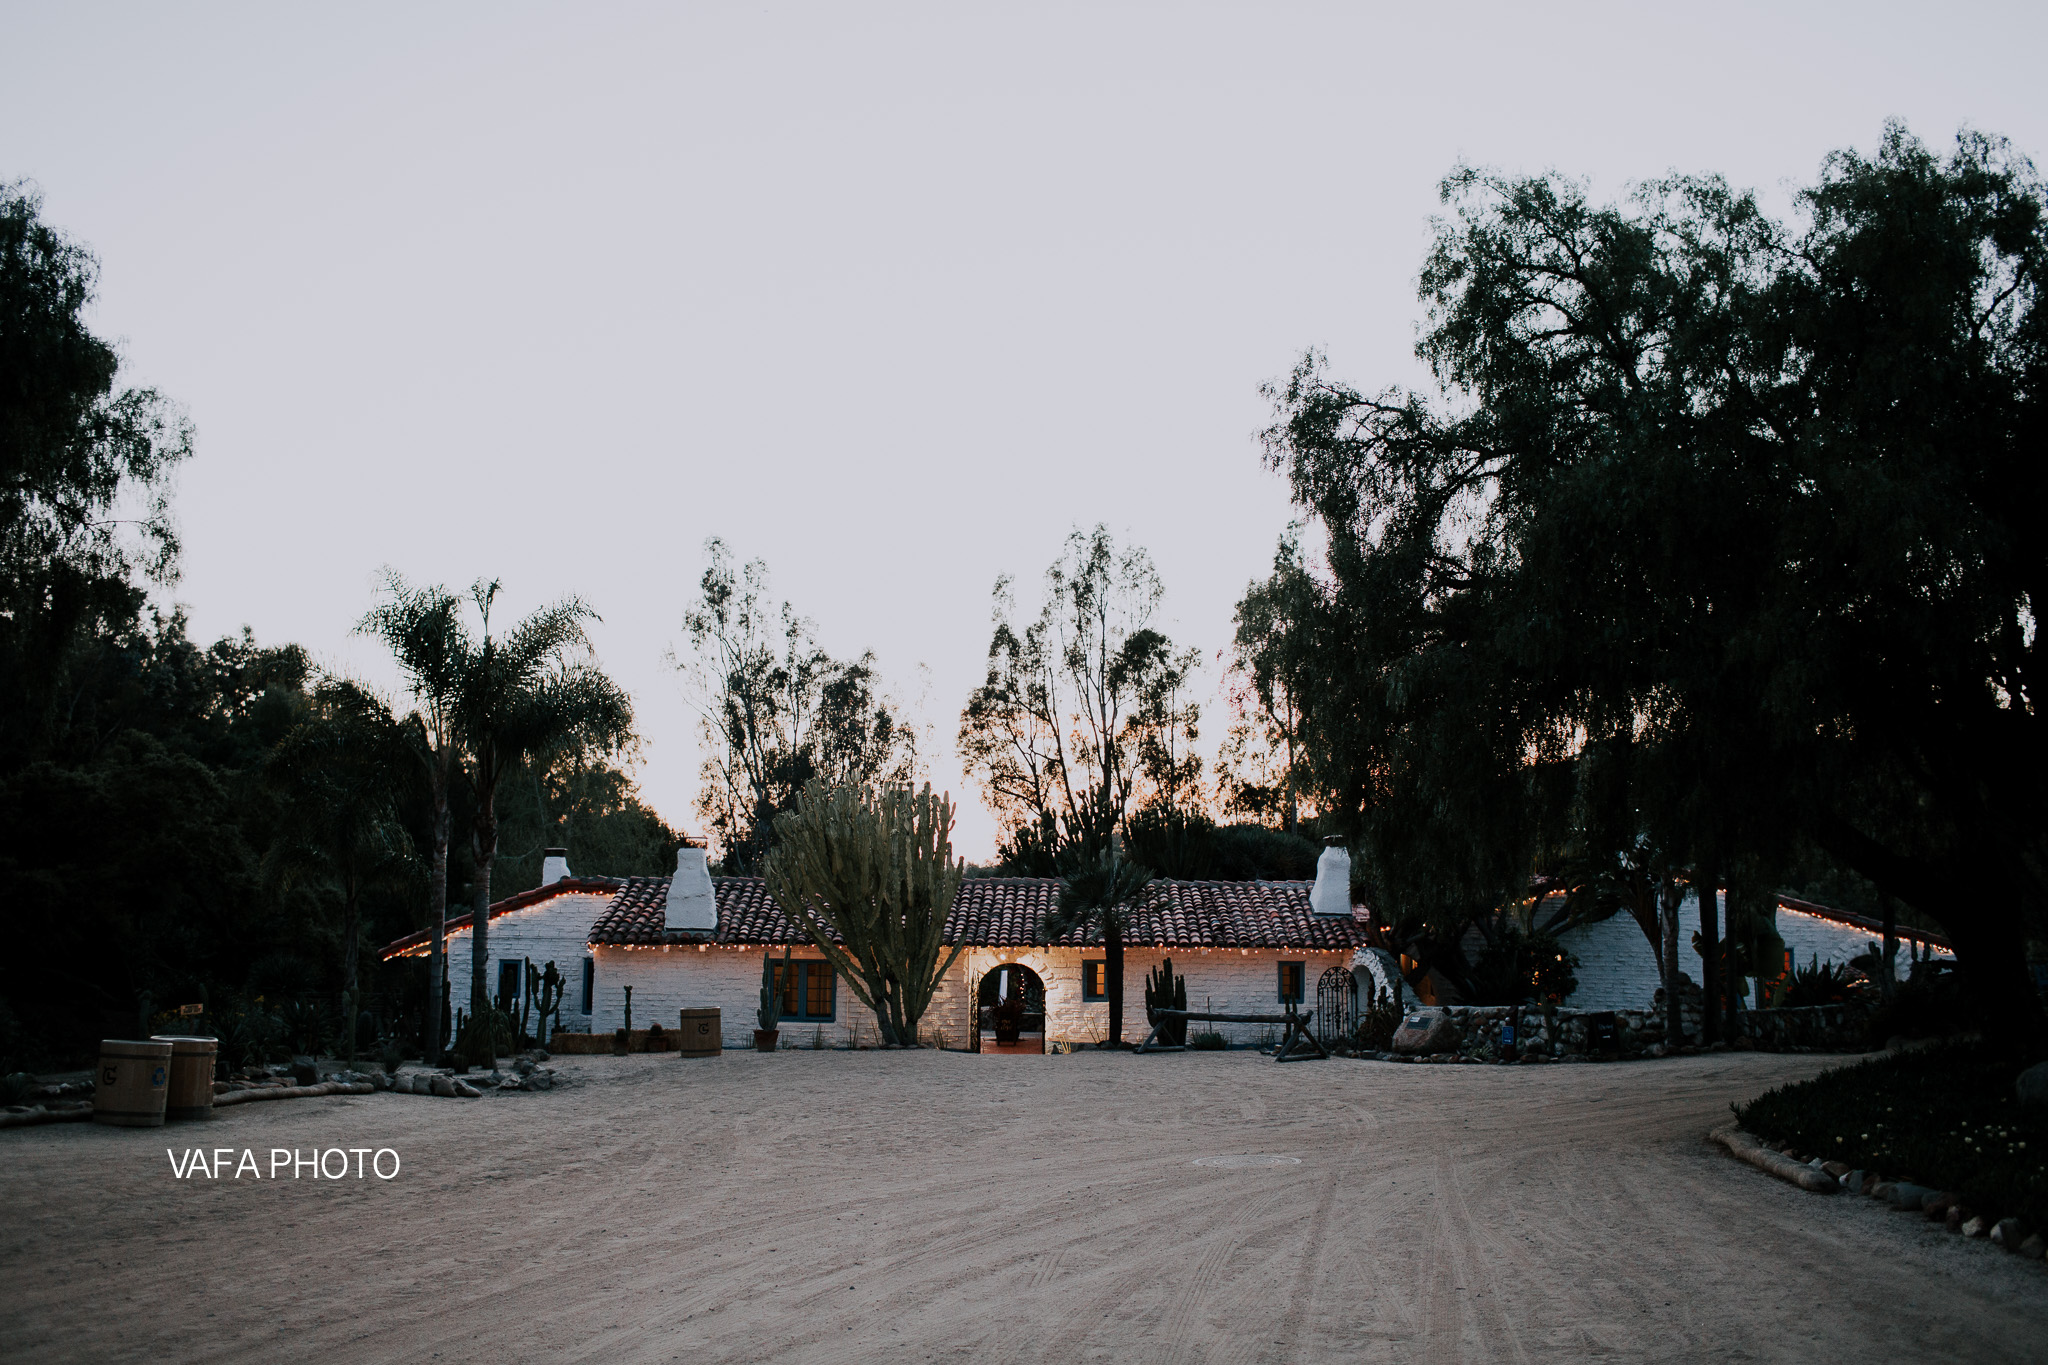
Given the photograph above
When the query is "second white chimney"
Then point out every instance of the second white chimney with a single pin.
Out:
(1332, 893)
(554, 865)
(691, 902)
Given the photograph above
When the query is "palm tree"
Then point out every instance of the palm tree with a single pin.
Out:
(1099, 893)
(422, 627)
(520, 698)
(338, 773)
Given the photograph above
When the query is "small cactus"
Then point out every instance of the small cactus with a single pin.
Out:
(1165, 991)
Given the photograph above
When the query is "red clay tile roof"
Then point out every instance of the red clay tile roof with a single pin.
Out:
(1009, 912)
(588, 885)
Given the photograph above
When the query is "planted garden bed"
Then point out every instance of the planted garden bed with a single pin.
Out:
(1947, 1117)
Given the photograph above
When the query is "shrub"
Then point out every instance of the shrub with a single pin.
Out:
(1207, 1042)
(1377, 1022)
(1947, 1117)
(1819, 983)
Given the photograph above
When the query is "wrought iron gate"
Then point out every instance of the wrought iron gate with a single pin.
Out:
(1336, 1006)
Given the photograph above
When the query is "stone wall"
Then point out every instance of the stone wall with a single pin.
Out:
(1559, 1034)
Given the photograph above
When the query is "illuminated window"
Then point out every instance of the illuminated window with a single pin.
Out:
(807, 989)
(1095, 979)
(1293, 976)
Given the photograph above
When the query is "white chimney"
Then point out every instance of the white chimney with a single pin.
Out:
(691, 904)
(1332, 893)
(554, 865)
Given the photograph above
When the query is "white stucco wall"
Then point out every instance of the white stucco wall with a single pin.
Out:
(1617, 969)
(666, 980)
(556, 930)
(1220, 980)
(669, 978)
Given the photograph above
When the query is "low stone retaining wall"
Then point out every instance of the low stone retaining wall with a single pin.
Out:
(595, 1044)
(1557, 1034)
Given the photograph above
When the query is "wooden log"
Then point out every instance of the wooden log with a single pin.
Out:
(293, 1092)
(1746, 1147)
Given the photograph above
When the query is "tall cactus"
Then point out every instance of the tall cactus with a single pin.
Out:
(1165, 991)
(871, 876)
(769, 1013)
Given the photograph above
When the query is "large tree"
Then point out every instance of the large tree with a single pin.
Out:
(1757, 496)
(338, 775)
(1085, 711)
(85, 470)
(777, 711)
(529, 692)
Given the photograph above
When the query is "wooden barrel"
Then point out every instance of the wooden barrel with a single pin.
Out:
(699, 1033)
(132, 1082)
(191, 1092)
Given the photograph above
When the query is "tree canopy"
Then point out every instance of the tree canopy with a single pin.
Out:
(1750, 500)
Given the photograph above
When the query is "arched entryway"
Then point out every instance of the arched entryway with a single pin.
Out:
(1010, 1005)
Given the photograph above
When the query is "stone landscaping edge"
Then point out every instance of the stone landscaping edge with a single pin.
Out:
(1825, 1177)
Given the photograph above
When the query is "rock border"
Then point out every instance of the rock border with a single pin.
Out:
(1824, 1177)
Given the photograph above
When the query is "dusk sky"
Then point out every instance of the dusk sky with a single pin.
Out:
(890, 296)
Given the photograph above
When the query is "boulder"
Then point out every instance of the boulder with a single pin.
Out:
(464, 1090)
(444, 1086)
(1977, 1227)
(2007, 1233)
(1911, 1198)
(1427, 1031)
(2033, 1247)
(2033, 1086)
(1957, 1216)
(1937, 1206)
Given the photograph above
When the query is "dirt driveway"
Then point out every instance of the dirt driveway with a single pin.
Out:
(831, 1206)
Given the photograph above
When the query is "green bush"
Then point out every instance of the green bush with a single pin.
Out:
(1207, 1042)
(1947, 1117)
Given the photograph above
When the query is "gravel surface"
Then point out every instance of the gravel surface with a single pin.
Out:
(829, 1206)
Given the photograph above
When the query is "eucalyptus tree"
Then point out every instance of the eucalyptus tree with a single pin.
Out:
(337, 775)
(527, 693)
(422, 627)
(1761, 493)
(777, 712)
(85, 474)
(1084, 712)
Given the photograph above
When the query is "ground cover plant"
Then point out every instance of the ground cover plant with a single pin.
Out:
(1947, 1117)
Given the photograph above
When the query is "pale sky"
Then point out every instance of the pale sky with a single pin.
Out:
(890, 296)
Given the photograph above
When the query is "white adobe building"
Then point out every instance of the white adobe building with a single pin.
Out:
(694, 941)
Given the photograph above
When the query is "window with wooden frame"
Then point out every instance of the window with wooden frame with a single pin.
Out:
(1095, 979)
(809, 989)
(589, 982)
(1293, 981)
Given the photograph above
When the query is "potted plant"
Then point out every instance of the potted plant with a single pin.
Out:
(1008, 1015)
(770, 1012)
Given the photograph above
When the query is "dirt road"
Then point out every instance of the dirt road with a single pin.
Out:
(822, 1207)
